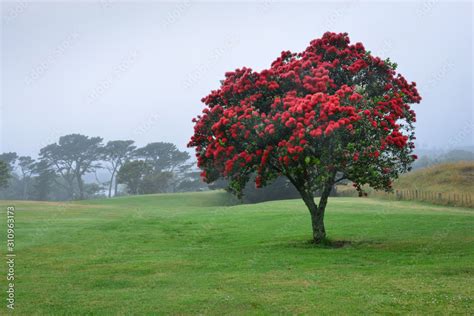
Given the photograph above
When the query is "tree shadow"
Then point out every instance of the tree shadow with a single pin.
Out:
(325, 244)
(332, 243)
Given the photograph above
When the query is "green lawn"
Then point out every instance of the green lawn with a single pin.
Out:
(196, 254)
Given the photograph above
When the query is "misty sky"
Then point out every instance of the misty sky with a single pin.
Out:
(138, 70)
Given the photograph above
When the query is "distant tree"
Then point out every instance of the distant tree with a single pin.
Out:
(93, 190)
(27, 166)
(115, 153)
(180, 174)
(331, 112)
(191, 182)
(8, 179)
(72, 157)
(10, 159)
(44, 180)
(156, 182)
(132, 174)
(457, 155)
(162, 156)
(218, 184)
(280, 189)
(428, 160)
(4, 174)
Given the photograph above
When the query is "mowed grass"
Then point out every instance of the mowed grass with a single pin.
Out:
(196, 254)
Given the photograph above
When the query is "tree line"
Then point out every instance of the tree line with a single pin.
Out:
(61, 169)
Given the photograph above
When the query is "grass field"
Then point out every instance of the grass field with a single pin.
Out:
(194, 254)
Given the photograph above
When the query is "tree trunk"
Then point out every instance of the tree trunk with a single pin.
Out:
(25, 188)
(319, 232)
(70, 187)
(110, 188)
(317, 219)
(80, 184)
(111, 183)
(116, 187)
(317, 211)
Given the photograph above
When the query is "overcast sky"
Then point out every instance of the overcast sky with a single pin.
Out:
(124, 70)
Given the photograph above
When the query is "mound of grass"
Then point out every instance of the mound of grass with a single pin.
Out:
(197, 254)
(455, 177)
(445, 184)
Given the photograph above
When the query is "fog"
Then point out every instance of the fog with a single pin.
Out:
(138, 70)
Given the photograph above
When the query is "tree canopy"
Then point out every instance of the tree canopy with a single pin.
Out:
(4, 174)
(73, 156)
(331, 112)
(116, 152)
(162, 156)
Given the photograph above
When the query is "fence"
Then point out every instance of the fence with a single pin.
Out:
(442, 198)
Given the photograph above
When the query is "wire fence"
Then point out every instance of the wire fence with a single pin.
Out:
(442, 198)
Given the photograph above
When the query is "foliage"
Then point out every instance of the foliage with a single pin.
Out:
(190, 181)
(27, 167)
(73, 156)
(4, 174)
(115, 153)
(279, 189)
(162, 156)
(10, 159)
(44, 181)
(132, 173)
(162, 168)
(66, 170)
(156, 182)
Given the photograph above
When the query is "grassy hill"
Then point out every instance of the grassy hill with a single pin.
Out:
(446, 183)
(197, 253)
(457, 177)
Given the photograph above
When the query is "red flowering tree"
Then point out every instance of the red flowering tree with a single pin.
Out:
(329, 113)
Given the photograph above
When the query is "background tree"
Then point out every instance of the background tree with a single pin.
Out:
(155, 182)
(162, 156)
(280, 189)
(72, 157)
(183, 173)
(132, 174)
(26, 165)
(10, 159)
(115, 153)
(44, 181)
(8, 177)
(93, 191)
(4, 174)
(58, 160)
(191, 181)
(333, 109)
(169, 166)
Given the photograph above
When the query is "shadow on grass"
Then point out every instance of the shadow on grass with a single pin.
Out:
(328, 244)
(325, 244)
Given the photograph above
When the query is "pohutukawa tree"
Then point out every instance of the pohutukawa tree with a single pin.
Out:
(329, 113)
